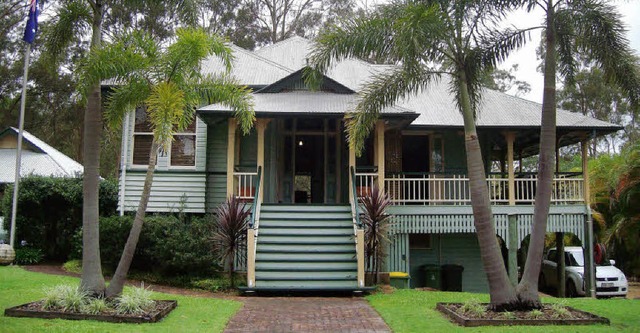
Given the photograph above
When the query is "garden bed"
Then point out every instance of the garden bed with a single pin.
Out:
(35, 310)
(548, 315)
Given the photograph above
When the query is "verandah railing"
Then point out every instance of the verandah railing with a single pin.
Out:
(453, 189)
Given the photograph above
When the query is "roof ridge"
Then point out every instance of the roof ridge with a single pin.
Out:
(49, 150)
(261, 58)
(288, 40)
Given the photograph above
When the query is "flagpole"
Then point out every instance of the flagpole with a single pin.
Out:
(14, 206)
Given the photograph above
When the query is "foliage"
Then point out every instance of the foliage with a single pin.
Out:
(135, 301)
(193, 314)
(212, 285)
(230, 232)
(28, 256)
(376, 223)
(472, 307)
(505, 80)
(95, 306)
(73, 266)
(168, 246)
(615, 191)
(50, 212)
(65, 297)
(560, 311)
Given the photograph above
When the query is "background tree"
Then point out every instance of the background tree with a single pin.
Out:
(167, 83)
(504, 80)
(427, 40)
(571, 28)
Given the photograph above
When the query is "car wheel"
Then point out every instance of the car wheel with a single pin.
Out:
(542, 283)
(571, 290)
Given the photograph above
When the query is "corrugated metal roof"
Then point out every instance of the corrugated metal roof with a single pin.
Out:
(437, 108)
(248, 68)
(303, 102)
(46, 162)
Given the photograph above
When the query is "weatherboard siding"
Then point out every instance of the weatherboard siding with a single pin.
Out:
(170, 192)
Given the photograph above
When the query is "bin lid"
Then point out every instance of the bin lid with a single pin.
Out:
(398, 275)
(430, 267)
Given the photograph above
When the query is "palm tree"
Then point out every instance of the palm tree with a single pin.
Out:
(573, 29)
(427, 40)
(168, 84)
(73, 20)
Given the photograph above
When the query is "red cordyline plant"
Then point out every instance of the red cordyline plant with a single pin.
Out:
(376, 223)
(230, 232)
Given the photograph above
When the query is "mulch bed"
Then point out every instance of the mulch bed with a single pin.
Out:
(491, 318)
(35, 310)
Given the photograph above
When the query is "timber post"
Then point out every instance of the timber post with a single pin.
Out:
(380, 153)
(231, 147)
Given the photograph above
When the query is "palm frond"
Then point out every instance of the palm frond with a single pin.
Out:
(166, 109)
(565, 43)
(124, 98)
(73, 20)
(225, 90)
(383, 91)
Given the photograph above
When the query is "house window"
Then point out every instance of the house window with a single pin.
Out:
(183, 148)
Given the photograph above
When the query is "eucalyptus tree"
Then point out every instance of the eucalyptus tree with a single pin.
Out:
(573, 29)
(168, 85)
(426, 40)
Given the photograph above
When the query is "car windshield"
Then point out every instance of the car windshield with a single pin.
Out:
(574, 259)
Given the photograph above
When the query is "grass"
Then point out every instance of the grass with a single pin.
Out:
(414, 311)
(193, 314)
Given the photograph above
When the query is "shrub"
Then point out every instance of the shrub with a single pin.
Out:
(212, 285)
(28, 256)
(560, 311)
(535, 314)
(50, 211)
(472, 307)
(230, 232)
(135, 301)
(73, 266)
(168, 245)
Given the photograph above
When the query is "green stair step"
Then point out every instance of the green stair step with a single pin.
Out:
(297, 232)
(305, 257)
(305, 208)
(329, 248)
(310, 216)
(307, 285)
(266, 265)
(305, 275)
(306, 224)
(293, 239)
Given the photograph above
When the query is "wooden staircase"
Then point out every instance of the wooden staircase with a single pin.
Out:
(305, 248)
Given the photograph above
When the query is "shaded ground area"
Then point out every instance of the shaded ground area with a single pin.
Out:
(306, 314)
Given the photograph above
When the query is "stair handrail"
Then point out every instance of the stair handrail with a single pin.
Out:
(252, 233)
(354, 203)
(255, 210)
(358, 230)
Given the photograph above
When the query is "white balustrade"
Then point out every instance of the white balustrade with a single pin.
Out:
(245, 183)
(434, 189)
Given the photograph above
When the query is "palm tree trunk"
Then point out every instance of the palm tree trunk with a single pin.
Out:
(92, 279)
(501, 291)
(528, 287)
(117, 283)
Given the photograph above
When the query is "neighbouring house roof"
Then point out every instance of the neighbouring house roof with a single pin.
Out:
(38, 158)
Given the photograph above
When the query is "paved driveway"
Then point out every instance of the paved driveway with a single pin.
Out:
(306, 314)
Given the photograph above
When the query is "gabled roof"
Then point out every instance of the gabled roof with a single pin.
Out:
(248, 68)
(296, 81)
(38, 158)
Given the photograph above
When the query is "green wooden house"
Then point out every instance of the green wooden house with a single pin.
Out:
(298, 172)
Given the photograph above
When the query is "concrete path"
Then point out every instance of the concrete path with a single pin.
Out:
(306, 314)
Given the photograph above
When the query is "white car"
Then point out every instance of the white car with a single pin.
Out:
(610, 281)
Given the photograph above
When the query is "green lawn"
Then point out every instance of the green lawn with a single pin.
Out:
(414, 311)
(193, 314)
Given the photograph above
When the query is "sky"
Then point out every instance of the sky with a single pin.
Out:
(526, 57)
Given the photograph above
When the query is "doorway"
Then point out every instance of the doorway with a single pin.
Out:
(311, 168)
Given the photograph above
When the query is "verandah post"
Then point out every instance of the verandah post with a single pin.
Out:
(380, 152)
(231, 147)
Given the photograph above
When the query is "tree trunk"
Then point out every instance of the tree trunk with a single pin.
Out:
(117, 283)
(501, 292)
(528, 287)
(92, 279)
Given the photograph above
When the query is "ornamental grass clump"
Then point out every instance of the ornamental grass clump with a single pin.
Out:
(560, 311)
(472, 308)
(536, 314)
(135, 301)
(96, 306)
(67, 298)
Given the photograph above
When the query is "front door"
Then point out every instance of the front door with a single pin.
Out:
(312, 164)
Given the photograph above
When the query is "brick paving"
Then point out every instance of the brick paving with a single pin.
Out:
(306, 314)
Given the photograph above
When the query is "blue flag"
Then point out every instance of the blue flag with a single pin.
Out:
(32, 22)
